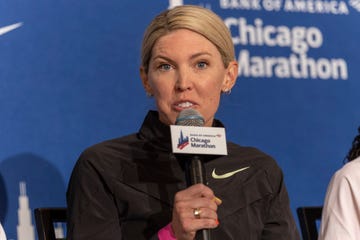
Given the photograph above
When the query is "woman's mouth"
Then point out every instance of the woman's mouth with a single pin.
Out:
(185, 104)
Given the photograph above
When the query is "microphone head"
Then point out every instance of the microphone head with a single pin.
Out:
(190, 117)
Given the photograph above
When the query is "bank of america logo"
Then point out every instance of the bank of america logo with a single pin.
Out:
(183, 141)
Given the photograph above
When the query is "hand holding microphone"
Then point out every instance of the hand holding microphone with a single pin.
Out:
(194, 213)
(195, 207)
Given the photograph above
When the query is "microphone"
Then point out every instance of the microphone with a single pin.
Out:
(195, 170)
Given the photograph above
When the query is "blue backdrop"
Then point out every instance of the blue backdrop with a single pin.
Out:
(69, 79)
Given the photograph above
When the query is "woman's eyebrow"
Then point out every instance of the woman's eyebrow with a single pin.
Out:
(199, 54)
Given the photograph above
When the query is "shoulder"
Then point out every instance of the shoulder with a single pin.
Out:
(343, 188)
(111, 145)
(2, 233)
(351, 167)
(108, 153)
(261, 163)
(344, 181)
(350, 172)
(253, 156)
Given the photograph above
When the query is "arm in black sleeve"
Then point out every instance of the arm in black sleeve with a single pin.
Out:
(280, 224)
(92, 212)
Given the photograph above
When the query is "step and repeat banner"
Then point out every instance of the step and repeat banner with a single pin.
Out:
(69, 79)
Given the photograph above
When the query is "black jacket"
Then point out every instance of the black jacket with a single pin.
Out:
(124, 189)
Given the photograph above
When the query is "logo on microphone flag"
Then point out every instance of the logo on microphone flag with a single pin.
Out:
(183, 141)
(198, 140)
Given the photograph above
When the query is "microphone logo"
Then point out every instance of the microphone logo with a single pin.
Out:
(183, 141)
(190, 137)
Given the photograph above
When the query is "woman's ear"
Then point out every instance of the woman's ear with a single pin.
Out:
(145, 81)
(230, 76)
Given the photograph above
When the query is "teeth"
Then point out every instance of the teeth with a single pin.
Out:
(185, 104)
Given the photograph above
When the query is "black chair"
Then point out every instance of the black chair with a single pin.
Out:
(45, 218)
(307, 218)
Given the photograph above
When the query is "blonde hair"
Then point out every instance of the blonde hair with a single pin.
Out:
(195, 18)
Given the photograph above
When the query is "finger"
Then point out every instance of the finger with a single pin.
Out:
(204, 213)
(185, 208)
(203, 203)
(193, 225)
(217, 200)
(198, 224)
(197, 190)
(195, 209)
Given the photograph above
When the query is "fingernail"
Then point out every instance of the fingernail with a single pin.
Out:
(217, 200)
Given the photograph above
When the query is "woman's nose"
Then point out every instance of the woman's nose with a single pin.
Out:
(183, 81)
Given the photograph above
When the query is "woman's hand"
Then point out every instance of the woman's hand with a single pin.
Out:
(194, 209)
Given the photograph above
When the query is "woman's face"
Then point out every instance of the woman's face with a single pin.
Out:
(186, 71)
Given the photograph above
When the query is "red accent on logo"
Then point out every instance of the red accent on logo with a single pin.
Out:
(181, 146)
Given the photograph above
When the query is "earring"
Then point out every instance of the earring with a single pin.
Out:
(149, 94)
(227, 91)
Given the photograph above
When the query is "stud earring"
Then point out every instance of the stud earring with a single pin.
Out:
(227, 91)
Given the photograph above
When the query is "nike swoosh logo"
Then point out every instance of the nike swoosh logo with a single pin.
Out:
(9, 28)
(229, 174)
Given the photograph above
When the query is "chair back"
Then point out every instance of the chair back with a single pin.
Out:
(308, 217)
(45, 218)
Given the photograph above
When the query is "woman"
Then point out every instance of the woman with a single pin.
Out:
(133, 187)
(341, 211)
(2, 233)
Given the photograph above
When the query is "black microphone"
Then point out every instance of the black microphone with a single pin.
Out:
(195, 170)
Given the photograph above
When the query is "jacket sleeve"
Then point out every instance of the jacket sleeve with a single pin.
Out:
(280, 223)
(92, 212)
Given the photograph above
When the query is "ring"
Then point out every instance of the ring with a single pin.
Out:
(197, 213)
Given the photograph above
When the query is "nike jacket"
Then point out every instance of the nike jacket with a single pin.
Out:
(123, 189)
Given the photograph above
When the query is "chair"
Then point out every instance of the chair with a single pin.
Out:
(307, 218)
(45, 218)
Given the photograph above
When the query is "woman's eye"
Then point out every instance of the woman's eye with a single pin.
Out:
(165, 67)
(202, 64)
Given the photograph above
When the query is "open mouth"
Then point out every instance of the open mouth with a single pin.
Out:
(185, 104)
